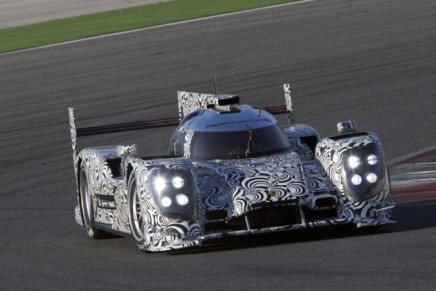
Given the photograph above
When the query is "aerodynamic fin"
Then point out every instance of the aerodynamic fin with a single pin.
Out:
(73, 130)
(287, 109)
(288, 98)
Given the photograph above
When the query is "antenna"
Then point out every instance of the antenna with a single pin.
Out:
(215, 86)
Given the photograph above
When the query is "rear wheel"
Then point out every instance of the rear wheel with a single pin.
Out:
(135, 213)
(87, 206)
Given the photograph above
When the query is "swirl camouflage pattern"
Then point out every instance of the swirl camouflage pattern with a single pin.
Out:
(232, 170)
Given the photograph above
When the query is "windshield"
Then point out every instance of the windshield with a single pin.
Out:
(238, 144)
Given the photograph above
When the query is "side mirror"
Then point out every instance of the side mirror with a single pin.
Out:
(127, 150)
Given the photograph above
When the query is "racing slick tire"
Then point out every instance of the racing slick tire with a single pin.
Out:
(87, 207)
(136, 214)
(352, 228)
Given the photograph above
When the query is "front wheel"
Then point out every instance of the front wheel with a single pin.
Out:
(136, 213)
(87, 206)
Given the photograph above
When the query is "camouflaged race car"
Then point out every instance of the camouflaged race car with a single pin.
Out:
(232, 170)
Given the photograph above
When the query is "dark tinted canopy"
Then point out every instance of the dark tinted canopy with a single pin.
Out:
(238, 144)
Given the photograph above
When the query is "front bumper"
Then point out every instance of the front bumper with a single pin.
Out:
(379, 216)
(367, 217)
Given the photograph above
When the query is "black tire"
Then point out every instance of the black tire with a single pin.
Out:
(352, 228)
(136, 215)
(87, 206)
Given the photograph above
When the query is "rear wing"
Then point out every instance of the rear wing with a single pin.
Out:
(188, 102)
(112, 128)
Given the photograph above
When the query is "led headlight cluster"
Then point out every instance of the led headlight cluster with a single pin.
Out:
(356, 179)
(173, 192)
(355, 163)
(363, 171)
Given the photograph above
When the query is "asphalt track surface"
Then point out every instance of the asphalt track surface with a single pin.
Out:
(372, 61)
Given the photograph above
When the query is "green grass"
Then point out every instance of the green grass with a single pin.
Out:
(56, 31)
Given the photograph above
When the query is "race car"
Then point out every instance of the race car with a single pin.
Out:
(232, 170)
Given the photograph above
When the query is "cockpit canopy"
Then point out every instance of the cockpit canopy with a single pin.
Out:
(240, 132)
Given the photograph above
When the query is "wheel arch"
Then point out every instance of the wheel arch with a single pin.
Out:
(129, 172)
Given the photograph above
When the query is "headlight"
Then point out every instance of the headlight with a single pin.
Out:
(356, 179)
(182, 199)
(174, 192)
(354, 162)
(159, 184)
(362, 168)
(371, 178)
(178, 182)
(372, 160)
(166, 201)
